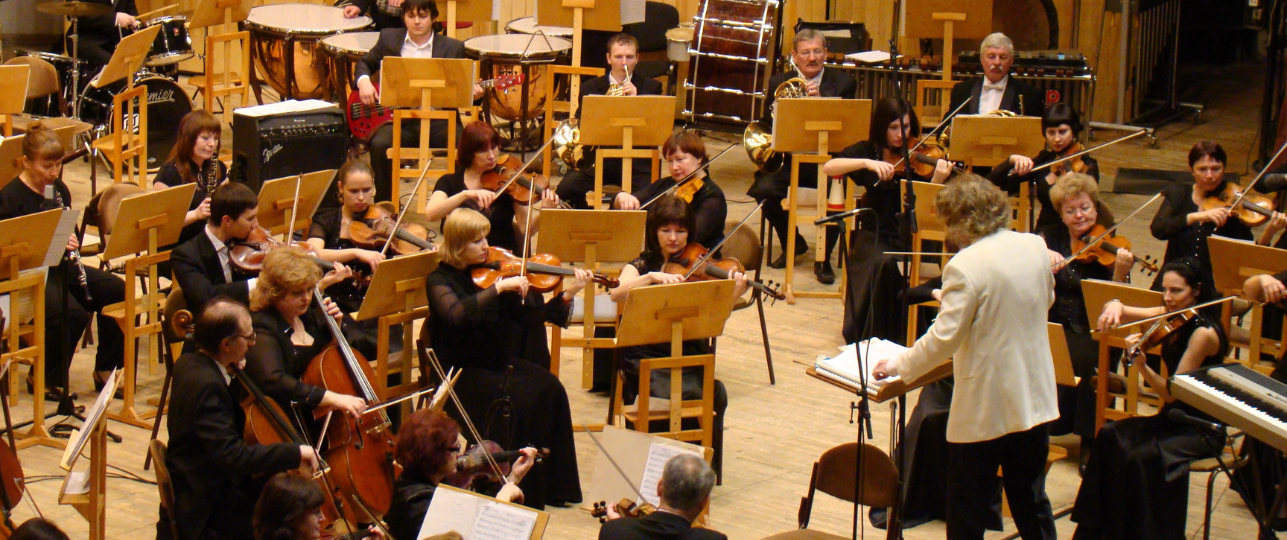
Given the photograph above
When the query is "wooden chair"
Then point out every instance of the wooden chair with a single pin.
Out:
(215, 84)
(100, 216)
(928, 228)
(126, 146)
(931, 115)
(606, 315)
(15, 76)
(836, 474)
(156, 451)
(42, 82)
(1232, 262)
(1021, 208)
(667, 410)
(744, 245)
(1109, 385)
(171, 348)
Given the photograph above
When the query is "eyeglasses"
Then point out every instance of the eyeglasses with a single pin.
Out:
(250, 339)
(819, 53)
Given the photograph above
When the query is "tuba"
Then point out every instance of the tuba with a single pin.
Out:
(757, 141)
(945, 138)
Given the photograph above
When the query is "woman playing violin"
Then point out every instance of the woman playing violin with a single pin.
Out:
(1137, 481)
(290, 508)
(479, 148)
(497, 335)
(428, 447)
(290, 330)
(194, 160)
(1060, 125)
(685, 152)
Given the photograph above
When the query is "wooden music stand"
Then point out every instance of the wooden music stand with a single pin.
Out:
(127, 144)
(420, 85)
(1097, 293)
(91, 503)
(458, 511)
(922, 19)
(13, 93)
(628, 123)
(208, 14)
(1064, 374)
(277, 201)
(810, 129)
(631, 449)
(581, 15)
(144, 223)
(23, 245)
(471, 10)
(397, 296)
(555, 105)
(590, 237)
(986, 141)
(1232, 262)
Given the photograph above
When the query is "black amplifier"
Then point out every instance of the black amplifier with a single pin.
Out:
(285, 139)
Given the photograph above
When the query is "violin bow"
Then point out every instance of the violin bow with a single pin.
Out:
(942, 124)
(711, 252)
(1110, 230)
(1076, 155)
(616, 466)
(294, 210)
(1170, 313)
(371, 516)
(685, 180)
(402, 211)
(520, 170)
(1268, 164)
(395, 401)
(464, 415)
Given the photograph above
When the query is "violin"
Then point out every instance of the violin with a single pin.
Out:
(624, 507)
(523, 189)
(682, 263)
(1105, 250)
(373, 228)
(360, 449)
(923, 160)
(248, 255)
(544, 271)
(1158, 332)
(473, 465)
(1254, 210)
(1073, 165)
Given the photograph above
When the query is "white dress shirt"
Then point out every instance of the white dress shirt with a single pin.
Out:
(990, 97)
(411, 50)
(225, 258)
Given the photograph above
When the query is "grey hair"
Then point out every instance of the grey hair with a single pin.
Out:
(686, 482)
(808, 34)
(996, 40)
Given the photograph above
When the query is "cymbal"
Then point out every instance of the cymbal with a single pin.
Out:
(72, 8)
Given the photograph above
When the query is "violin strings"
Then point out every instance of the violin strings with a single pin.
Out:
(464, 415)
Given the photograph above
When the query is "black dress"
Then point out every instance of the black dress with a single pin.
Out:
(500, 213)
(506, 387)
(363, 335)
(1048, 219)
(1184, 240)
(1137, 481)
(212, 173)
(708, 203)
(883, 197)
(276, 364)
(1076, 406)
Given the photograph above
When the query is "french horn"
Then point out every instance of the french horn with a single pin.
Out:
(757, 141)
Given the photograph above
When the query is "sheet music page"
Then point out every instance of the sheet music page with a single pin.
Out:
(500, 521)
(77, 442)
(449, 511)
(77, 483)
(66, 226)
(658, 455)
(632, 11)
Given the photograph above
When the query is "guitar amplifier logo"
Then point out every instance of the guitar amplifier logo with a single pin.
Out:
(270, 152)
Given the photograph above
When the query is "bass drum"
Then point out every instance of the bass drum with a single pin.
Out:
(732, 52)
(167, 104)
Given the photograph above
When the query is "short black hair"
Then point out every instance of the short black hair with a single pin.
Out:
(1060, 114)
(1209, 149)
(39, 529)
(889, 110)
(421, 6)
(231, 199)
(219, 320)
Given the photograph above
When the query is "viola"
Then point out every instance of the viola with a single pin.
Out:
(474, 465)
(1254, 210)
(1105, 250)
(625, 508)
(544, 272)
(692, 255)
(524, 188)
(373, 228)
(1073, 165)
(360, 450)
(923, 160)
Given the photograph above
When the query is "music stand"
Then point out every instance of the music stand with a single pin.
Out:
(1097, 293)
(630, 449)
(397, 296)
(810, 129)
(128, 58)
(23, 245)
(581, 15)
(964, 19)
(590, 237)
(91, 503)
(11, 152)
(1064, 374)
(628, 123)
(144, 223)
(418, 85)
(210, 13)
(469, 10)
(13, 93)
(277, 201)
(986, 141)
(1232, 262)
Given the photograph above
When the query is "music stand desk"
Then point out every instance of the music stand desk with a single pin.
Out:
(397, 295)
(277, 201)
(24, 242)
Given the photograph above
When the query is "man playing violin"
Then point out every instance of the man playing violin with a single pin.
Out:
(203, 265)
(210, 464)
(622, 79)
(685, 152)
(995, 89)
(684, 489)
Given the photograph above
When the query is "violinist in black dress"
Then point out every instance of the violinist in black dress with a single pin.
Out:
(1060, 125)
(685, 152)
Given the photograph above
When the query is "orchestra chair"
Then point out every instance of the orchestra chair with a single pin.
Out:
(562, 107)
(1021, 209)
(835, 473)
(744, 245)
(11, 108)
(126, 147)
(928, 228)
(657, 411)
(932, 115)
(156, 451)
(1097, 293)
(215, 83)
(606, 315)
(1232, 262)
(100, 216)
(42, 82)
(171, 348)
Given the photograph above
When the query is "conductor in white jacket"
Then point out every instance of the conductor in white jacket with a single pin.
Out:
(996, 294)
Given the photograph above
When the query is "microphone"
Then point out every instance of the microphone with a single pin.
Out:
(835, 218)
(1180, 417)
(1272, 183)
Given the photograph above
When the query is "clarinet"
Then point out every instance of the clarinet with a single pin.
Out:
(74, 254)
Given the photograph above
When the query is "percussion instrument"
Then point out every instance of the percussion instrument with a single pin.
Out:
(732, 49)
(343, 51)
(75, 9)
(49, 105)
(167, 104)
(677, 43)
(511, 55)
(172, 44)
(285, 39)
(527, 25)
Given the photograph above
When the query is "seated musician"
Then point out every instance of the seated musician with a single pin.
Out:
(1060, 125)
(428, 446)
(479, 148)
(995, 89)
(1182, 223)
(203, 266)
(99, 35)
(417, 40)
(1137, 482)
(194, 159)
(37, 189)
(621, 79)
(290, 330)
(809, 51)
(211, 466)
(1076, 196)
(684, 489)
(290, 508)
(685, 152)
(497, 335)
(385, 13)
(669, 221)
(38, 529)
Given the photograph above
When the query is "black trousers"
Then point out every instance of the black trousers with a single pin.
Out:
(63, 330)
(577, 184)
(973, 486)
(382, 141)
(773, 188)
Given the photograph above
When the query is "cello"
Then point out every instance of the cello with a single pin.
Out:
(360, 449)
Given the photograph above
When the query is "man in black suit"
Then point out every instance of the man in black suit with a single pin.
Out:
(210, 464)
(202, 265)
(100, 34)
(385, 13)
(417, 40)
(809, 50)
(995, 89)
(623, 55)
(684, 489)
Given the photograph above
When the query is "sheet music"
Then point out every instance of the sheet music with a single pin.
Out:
(475, 517)
(502, 522)
(869, 57)
(658, 455)
(632, 11)
(77, 483)
(66, 227)
(496, 9)
(449, 511)
(285, 107)
(92, 417)
(845, 365)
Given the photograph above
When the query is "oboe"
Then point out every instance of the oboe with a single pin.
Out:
(74, 256)
(54, 199)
